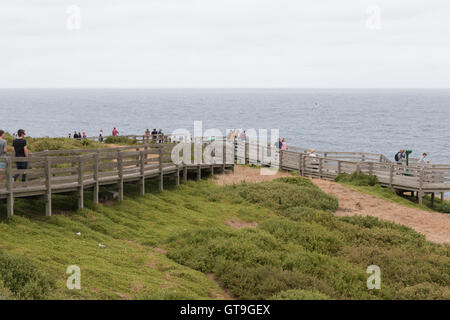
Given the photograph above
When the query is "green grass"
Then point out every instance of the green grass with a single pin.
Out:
(163, 245)
(368, 184)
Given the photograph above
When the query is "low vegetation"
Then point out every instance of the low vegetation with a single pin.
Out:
(369, 184)
(166, 245)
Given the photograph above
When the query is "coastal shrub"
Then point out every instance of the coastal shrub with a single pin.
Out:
(305, 249)
(24, 279)
(355, 179)
(5, 294)
(297, 294)
(119, 140)
(281, 195)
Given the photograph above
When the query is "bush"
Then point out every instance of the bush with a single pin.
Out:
(355, 179)
(299, 295)
(119, 140)
(23, 278)
(284, 194)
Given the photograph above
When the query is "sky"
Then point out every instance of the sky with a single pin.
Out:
(226, 43)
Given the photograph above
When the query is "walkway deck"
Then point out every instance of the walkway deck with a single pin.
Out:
(67, 171)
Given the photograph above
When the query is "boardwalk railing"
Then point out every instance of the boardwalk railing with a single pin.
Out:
(64, 171)
(420, 179)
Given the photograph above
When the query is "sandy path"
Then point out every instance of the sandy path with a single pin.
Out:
(247, 174)
(434, 225)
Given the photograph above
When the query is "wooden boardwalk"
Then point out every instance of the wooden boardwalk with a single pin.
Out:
(68, 171)
(62, 172)
(419, 179)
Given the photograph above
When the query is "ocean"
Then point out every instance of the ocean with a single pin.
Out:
(370, 120)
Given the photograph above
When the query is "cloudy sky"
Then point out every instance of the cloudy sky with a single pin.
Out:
(225, 43)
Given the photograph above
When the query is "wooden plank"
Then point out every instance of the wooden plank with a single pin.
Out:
(120, 173)
(80, 184)
(142, 171)
(48, 186)
(96, 178)
(10, 199)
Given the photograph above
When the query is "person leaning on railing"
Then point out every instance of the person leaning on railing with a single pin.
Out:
(20, 151)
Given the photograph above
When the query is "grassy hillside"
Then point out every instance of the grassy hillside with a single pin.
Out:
(275, 239)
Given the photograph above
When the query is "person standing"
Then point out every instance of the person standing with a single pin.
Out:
(100, 136)
(278, 144)
(422, 158)
(115, 132)
(20, 151)
(400, 156)
(3, 147)
(283, 144)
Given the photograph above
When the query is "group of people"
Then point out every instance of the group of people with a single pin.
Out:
(237, 134)
(281, 144)
(154, 135)
(20, 151)
(401, 155)
(78, 135)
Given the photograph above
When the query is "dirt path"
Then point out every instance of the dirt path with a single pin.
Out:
(247, 174)
(435, 226)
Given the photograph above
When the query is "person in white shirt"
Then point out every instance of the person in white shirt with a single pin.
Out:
(422, 158)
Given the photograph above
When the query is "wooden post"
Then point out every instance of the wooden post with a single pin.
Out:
(48, 187)
(80, 183)
(96, 184)
(199, 171)
(224, 155)
(143, 155)
(432, 199)
(442, 196)
(358, 169)
(391, 175)
(420, 193)
(177, 181)
(161, 171)
(120, 169)
(300, 173)
(9, 188)
(370, 168)
(185, 173)
(339, 169)
(281, 160)
(246, 152)
(320, 167)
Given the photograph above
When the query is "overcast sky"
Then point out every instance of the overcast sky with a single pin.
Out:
(225, 43)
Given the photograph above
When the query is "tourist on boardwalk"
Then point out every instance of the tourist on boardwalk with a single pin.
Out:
(20, 151)
(84, 135)
(283, 144)
(70, 135)
(100, 136)
(312, 153)
(79, 135)
(154, 135)
(115, 132)
(3, 145)
(279, 144)
(160, 136)
(75, 135)
(399, 156)
(422, 158)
